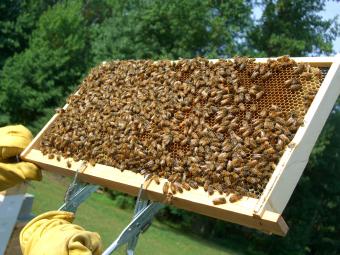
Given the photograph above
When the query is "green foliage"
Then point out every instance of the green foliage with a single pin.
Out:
(120, 199)
(38, 79)
(17, 20)
(171, 29)
(124, 202)
(294, 28)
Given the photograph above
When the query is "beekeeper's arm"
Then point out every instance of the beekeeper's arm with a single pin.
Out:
(52, 232)
(13, 140)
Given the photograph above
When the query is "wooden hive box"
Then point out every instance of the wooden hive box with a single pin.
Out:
(263, 213)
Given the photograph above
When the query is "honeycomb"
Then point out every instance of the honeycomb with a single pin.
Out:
(183, 120)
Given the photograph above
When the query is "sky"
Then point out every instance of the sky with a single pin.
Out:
(332, 9)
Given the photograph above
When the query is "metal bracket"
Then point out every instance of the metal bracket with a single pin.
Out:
(77, 193)
(80, 193)
(144, 213)
(143, 216)
(139, 224)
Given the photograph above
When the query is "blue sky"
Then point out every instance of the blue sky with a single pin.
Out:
(332, 9)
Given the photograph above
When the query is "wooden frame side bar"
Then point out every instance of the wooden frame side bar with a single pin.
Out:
(289, 170)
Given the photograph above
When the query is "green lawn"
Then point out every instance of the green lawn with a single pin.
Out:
(99, 214)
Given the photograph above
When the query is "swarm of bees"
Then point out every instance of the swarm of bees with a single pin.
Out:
(219, 125)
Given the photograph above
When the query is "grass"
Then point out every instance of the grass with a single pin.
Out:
(99, 214)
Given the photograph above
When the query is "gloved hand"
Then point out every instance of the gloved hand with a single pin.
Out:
(13, 140)
(53, 233)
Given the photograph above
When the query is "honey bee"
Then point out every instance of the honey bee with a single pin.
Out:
(257, 156)
(168, 198)
(68, 163)
(60, 110)
(280, 121)
(270, 150)
(267, 75)
(241, 96)
(247, 97)
(254, 171)
(193, 185)
(186, 186)
(274, 107)
(268, 125)
(246, 133)
(259, 95)
(252, 180)
(237, 99)
(156, 179)
(235, 162)
(279, 145)
(278, 126)
(206, 186)
(226, 178)
(235, 137)
(178, 187)
(306, 75)
(219, 201)
(254, 75)
(299, 68)
(173, 177)
(252, 163)
(178, 169)
(222, 128)
(173, 188)
(234, 198)
(272, 165)
(210, 190)
(219, 188)
(50, 156)
(242, 66)
(309, 97)
(295, 87)
(225, 101)
(242, 107)
(263, 69)
(58, 157)
(222, 157)
(166, 188)
(253, 107)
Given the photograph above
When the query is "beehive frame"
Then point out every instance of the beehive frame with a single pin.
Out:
(263, 213)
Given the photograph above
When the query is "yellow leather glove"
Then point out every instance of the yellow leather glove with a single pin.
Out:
(13, 140)
(52, 233)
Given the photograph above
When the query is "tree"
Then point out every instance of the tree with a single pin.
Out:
(172, 29)
(36, 80)
(17, 21)
(293, 27)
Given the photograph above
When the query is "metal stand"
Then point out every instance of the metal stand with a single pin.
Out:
(81, 192)
(77, 193)
(144, 213)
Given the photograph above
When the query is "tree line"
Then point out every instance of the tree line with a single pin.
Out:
(48, 46)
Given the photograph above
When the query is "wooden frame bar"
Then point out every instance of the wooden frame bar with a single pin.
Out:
(289, 170)
(264, 213)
